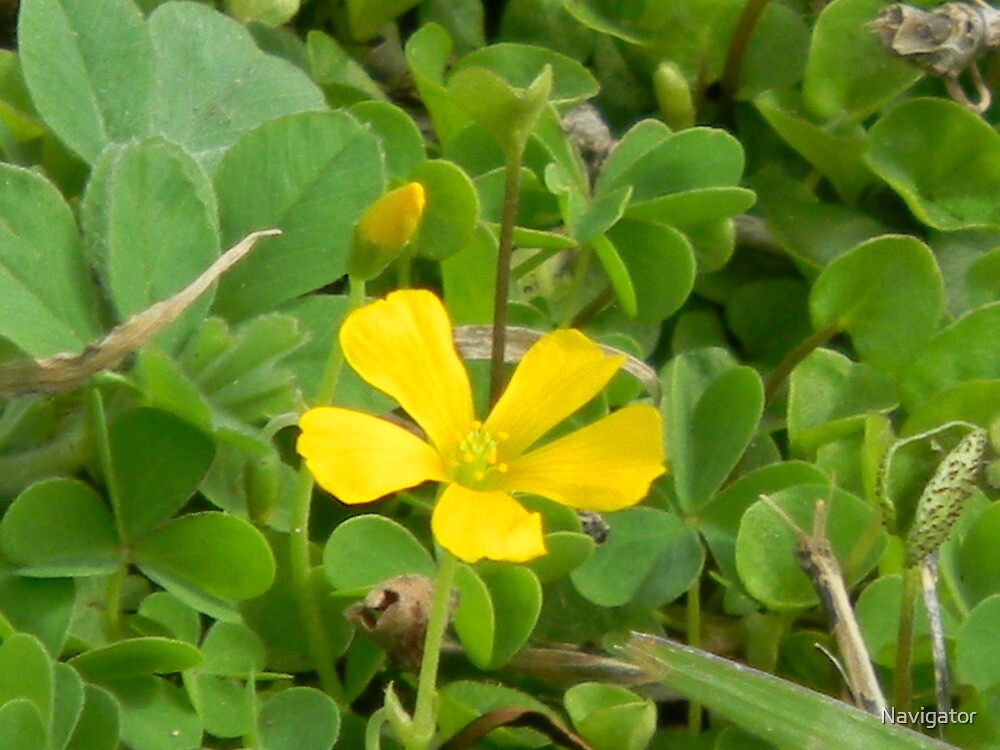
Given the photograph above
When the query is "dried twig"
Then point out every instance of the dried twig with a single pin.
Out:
(816, 558)
(64, 372)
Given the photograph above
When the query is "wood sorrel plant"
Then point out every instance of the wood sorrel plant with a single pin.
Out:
(403, 346)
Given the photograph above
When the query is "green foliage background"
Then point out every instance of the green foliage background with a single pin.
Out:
(800, 233)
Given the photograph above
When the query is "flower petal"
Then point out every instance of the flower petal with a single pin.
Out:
(402, 345)
(561, 372)
(473, 525)
(359, 458)
(605, 466)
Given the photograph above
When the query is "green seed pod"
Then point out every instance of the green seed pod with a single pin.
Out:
(262, 483)
(673, 96)
(944, 496)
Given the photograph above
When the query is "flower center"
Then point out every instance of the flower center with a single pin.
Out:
(477, 458)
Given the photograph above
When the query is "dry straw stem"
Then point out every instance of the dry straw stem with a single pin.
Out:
(944, 41)
(473, 342)
(816, 558)
(64, 371)
(928, 582)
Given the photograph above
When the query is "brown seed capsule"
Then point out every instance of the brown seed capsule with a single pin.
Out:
(394, 615)
(944, 40)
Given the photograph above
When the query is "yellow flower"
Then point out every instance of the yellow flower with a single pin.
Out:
(402, 345)
(384, 229)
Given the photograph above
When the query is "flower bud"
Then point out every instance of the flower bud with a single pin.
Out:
(673, 96)
(384, 229)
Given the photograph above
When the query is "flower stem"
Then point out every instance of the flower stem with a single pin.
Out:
(300, 565)
(404, 270)
(799, 353)
(904, 645)
(300, 562)
(593, 308)
(425, 714)
(508, 218)
(335, 362)
(752, 12)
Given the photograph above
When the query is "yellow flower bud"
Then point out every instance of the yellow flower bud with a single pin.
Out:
(384, 229)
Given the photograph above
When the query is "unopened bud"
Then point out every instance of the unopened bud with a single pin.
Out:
(384, 229)
(673, 96)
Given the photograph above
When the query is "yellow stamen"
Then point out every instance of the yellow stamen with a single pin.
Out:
(478, 456)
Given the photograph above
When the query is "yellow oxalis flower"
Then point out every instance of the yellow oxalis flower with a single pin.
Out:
(402, 345)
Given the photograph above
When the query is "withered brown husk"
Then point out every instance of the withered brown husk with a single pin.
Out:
(586, 127)
(394, 615)
(944, 41)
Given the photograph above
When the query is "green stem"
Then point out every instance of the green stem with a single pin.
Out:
(593, 308)
(112, 593)
(373, 730)
(335, 362)
(300, 561)
(425, 714)
(872, 534)
(251, 740)
(508, 217)
(576, 284)
(300, 567)
(811, 180)
(694, 640)
(752, 12)
(112, 603)
(904, 646)
(102, 442)
(404, 270)
(803, 350)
